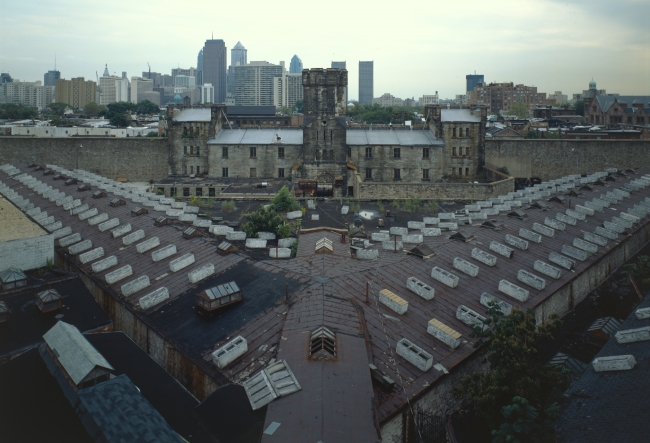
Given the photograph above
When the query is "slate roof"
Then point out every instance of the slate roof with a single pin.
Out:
(610, 406)
(606, 101)
(458, 115)
(258, 137)
(364, 137)
(194, 115)
(123, 415)
(77, 356)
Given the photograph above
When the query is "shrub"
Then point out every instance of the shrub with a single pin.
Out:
(227, 206)
(284, 201)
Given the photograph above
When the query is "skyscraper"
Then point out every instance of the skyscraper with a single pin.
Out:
(215, 62)
(199, 60)
(253, 83)
(238, 55)
(366, 82)
(50, 78)
(473, 80)
(341, 65)
(296, 65)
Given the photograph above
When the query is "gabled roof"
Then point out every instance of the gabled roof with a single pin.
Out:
(194, 115)
(606, 101)
(77, 356)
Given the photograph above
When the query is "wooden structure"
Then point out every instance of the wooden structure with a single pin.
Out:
(139, 211)
(226, 248)
(211, 300)
(162, 221)
(59, 177)
(83, 188)
(40, 168)
(48, 172)
(324, 245)
(71, 181)
(99, 194)
(117, 202)
(192, 233)
(49, 300)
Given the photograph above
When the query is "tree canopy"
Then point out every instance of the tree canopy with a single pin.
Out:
(520, 109)
(120, 120)
(579, 106)
(57, 108)
(11, 111)
(382, 115)
(299, 107)
(92, 109)
(147, 107)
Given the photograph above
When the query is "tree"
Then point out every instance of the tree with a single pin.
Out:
(284, 201)
(509, 344)
(120, 120)
(555, 135)
(57, 108)
(523, 423)
(152, 134)
(520, 110)
(147, 107)
(579, 107)
(11, 111)
(285, 110)
(299, 106)
(264, 220)
(92, 109)
(531, 134)
(120, 108)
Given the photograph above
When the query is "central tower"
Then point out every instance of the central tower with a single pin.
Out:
(324, 139)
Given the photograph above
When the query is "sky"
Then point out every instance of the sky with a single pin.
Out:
(417, 48)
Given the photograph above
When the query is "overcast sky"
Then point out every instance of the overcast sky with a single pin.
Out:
(418, 47)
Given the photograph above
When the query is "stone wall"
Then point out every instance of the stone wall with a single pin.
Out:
(548, 159)
(432, 191)
(133, 158)
(410, 162)
(27, 253)
(266, 161)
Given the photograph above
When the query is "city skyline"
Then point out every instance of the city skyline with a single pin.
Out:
(572, 44)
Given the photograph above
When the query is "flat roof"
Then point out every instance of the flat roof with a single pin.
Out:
(194, 115)
(401, 137)
(15, 224)
(258, 137)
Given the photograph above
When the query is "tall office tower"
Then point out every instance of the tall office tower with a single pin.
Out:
(191, 72)
(50, 78)
(140, 86)
(287, 90)
(253, 83)
(215, 62)
(238, 55)
(296, 65)
(77, 92)
(207, 93)
(473, 80)
(366, 82)
(342, 65)
(199, 60)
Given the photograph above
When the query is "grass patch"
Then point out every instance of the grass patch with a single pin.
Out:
(227, 206)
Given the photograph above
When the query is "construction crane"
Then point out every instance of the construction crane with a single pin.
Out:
(149, 70)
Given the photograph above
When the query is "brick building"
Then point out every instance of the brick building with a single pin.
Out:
(621, 110)
(501, 96)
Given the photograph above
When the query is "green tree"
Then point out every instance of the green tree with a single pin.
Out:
(285, 110)
(264, 220)
(147, 107)
(520, 110)
(284, 201)
(120, 120)
(11, 111)
(509, 344)
(152, 134)
(555, 135)
(531, 134)
(579, 107)
(120, 108)
(523, 423)
(299, 107)
(92, 109)
(57, 108)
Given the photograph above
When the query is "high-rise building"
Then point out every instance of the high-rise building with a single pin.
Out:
(429, 99)
(77, 92)
(238, 55)
(184, 81)
(296, 65)
(215, 61)
(199, 60)
(191, 72)
(342, 65)
(140, 86)
(32, 94)
(287, 90)
(5, 78)
(207, 93)
(113, 88)
(50, 78)
(501, 96)
(253, 83)
(472, 80)
(366, 82)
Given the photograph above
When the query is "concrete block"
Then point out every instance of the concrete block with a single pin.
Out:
(70, 240)
(64, 200)
(412, 238)
(230, 352)
(642, 313)
(584, 210)
(91, 255)
(118, 274)
(53, 226)
(46, 221)
(398, 231)
(446, 216)
(431, 220)
(345, 209)
(40, 216)
(174, 212)
(415, 355)
(614, 363)
(484, 257)
(166, 201)
(622, 222)
(133, 237)
(501, 249)
(614, 227)
(606, 233)
(542, 229)
(163, 253)
(80, 247)
(516, 242)
(191, 209)
(315, 217)
(202, 223)
(187, 217)
(255, 243)
(531, 279)
(614, 196)
(530, 235)
(501, 208)
(33, 212)
(496, 200)
(465, 266)
(279, 252)
(98, 219)
(136, 285)
(608, 199)
(368, 254)
(420, 288)
(490, 211)
(220, 229)
(161, 208)
(513, 290)
(392, 245)
(585, 245)
(63, 232)
(555, 224)
(147, 245)
(567, 218)
(504, 306)
(444, 333)
(154, 298)
(444, 277)
(547, 269)
(621, 193)
(431, 232)
(178, 205)
(629, 217)
(110, 224)
(633, 335)
(89, 213)
(266, 235)
(200, 273)
(181, 262)
(448, 226)
(79, 209)
(379, 236)
(149, 203)
(236, 235)
(416, 224)
(594, 238)
(393, 301)
(470, 317)
(294, 215)
(594, 206)
(121, 230)
(472, 208)
(561, 260)
(286, 242)
(574, 253)
(479, 215)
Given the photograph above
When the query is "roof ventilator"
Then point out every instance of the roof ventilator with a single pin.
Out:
(540, 205)
(492, 224)
(518, 213)
(322, 345)
(462, 235)
(558, 199)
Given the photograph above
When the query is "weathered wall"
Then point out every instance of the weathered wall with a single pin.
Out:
(550, 159)
(410, 162)
(239, 162)
(27, 253)
(133, 158)
(432, 191)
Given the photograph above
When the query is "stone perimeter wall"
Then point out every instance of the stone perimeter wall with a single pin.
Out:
(133, 158)
(551, 159)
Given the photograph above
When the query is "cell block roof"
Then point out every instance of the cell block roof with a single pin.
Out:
(194, 115)
(362, 137)
(458, 115)
(258, 137)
